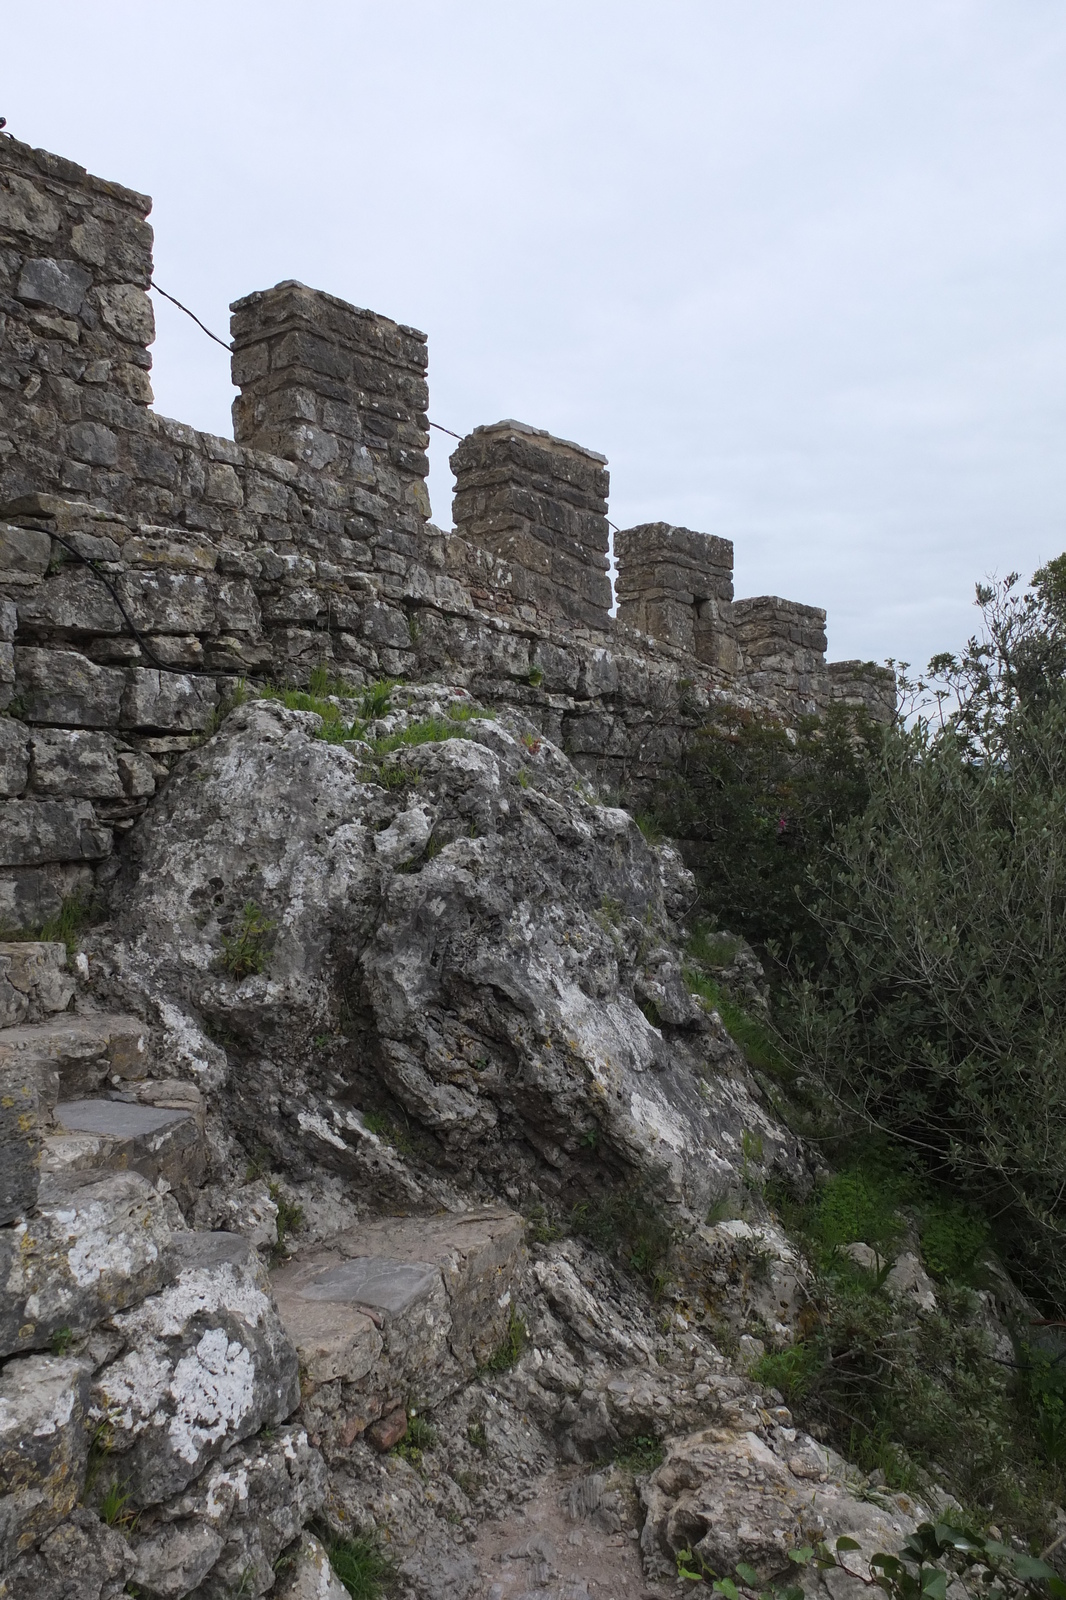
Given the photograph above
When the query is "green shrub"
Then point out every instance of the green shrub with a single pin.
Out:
(629, 1228)
(754, 805)
(247, 949)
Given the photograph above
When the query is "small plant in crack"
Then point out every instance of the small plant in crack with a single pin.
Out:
(247, 950)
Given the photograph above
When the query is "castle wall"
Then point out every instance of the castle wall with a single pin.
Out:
(304, 542)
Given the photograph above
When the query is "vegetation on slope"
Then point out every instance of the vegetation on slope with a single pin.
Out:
(907, 890)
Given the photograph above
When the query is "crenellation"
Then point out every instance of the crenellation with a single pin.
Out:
(677, 585)
(304, 543)
(783, 646)
(539, 503)
(334, 387)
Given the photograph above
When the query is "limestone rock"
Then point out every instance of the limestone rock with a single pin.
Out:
(96, 1244)
(751, 1493)
(82, 1559)
(207, 1363)
(43, 1447)
(224, 1534)
(489, 930)
(310, 1576)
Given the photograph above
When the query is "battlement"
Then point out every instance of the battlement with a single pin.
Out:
(541, 503)
(677, 585)
(303, 543)
(333, 387)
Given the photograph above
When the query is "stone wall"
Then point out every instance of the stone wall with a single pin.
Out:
(305, 543)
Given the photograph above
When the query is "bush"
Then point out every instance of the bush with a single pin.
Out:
(754, 806)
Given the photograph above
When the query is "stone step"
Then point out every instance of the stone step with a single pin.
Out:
(73, 1055)
(34, 981)
(119, 1135)
(398, 1311)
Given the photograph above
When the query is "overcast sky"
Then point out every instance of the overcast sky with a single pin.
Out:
(797, 267)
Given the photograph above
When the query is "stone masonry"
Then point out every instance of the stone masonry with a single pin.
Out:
(304, 543)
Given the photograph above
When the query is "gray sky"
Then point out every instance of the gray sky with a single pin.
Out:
(797, 267)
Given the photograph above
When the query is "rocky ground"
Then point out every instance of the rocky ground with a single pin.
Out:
(285, 1158)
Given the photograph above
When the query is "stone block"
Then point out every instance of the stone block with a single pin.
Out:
(170, 602)
(14, 757)
(124, 1136)
(60, 284)
(37, 970)
(82, 1559)
(96, 1245)
(29, 896)
(80, 1052)
(407, 1305)
(20, 1144)
(92, 443)
(65, 688)
(24, 552)
(207, 1363)
(44, 1448)
(169, 702)
(37, 831)
(72, 602)
(75, 762)
(25, 208)
(127, 311)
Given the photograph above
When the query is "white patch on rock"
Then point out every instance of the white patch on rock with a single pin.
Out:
(213, 1388)
(311, 1122)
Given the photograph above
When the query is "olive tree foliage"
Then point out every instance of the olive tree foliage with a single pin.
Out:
(938, 1014)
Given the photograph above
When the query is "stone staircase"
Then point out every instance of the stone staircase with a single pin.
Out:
(164, 1363)
(395, 1313)
(78, 1090)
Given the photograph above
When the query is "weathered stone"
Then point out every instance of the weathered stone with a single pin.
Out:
(93, 443)
(730, 1496)
(75, 762)
(207, 1363)
(95, 1245)
(175, 1559)
(127, 311)
(62, 284)
(389, 1430)
(83, 1559)
(36, 831)
(310, 1576)
(43, 1447)
(26, 208)
(63, 687)
(38, 970)
(152, 1140)
(250, 1505)
(439, 1290)
(30, 896)
(14, 757)
(167, 701)
(24, 552)
(20, 1144)
(80, 1052)
(137, 773)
